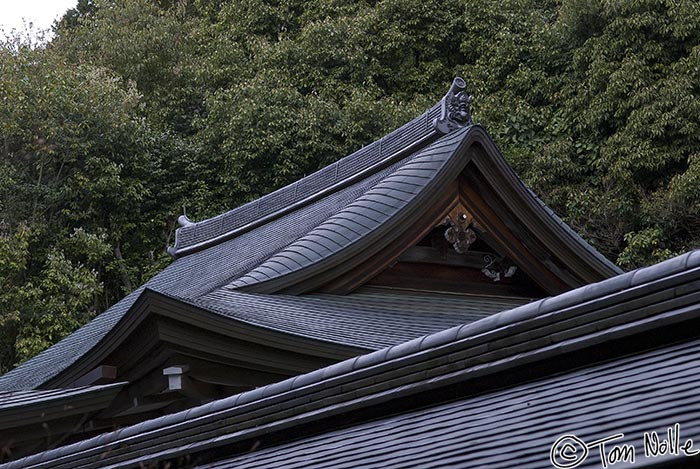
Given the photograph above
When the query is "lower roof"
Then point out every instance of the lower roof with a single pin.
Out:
(518, 427)
(34, 420)
(531, 367)
(25, 407)
(368, 319)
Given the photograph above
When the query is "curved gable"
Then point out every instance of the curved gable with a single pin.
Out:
(363, 227)
(462, 168)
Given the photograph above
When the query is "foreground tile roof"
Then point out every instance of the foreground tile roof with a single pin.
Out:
(614, 321)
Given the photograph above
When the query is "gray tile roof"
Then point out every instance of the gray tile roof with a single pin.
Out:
(197, 274)
(405, 189)
(370, 320)
(518, 426)
(496, 347)
(387, 150)
(229, 247)
(190, 277)
(51, 361)
(12, 400)
(31, 419)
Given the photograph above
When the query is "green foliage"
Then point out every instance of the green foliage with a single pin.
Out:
(643, 246)
(62, 300)
(631, 100)
(79, 166)
(39, 308)
(138, 108)
(14, 256)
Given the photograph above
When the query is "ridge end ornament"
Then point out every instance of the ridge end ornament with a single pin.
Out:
(183, 220)
(455, 108)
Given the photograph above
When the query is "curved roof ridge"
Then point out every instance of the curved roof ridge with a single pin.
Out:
(368, 224)
(361, 218)
(580, 301)
(448, 114)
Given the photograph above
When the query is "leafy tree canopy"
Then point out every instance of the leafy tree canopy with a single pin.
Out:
(139, 107)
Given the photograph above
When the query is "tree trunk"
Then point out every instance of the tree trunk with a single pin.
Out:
(124, 274)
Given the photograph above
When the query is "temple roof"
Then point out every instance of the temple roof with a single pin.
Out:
(426, 229)
(322, 227)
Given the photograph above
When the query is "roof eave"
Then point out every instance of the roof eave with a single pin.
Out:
(606, 312)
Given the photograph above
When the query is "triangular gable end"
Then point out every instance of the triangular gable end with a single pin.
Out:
(461, 179)
(491, 235)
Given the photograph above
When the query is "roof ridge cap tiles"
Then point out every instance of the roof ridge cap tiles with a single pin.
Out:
(678, 269)
(450, 113)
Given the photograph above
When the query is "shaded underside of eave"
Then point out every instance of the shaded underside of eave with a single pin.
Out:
(219, 325)
(517, 427)
(31, 421)
(324, 326)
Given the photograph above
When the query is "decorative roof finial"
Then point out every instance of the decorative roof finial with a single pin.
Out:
(183, 220)
(455, 108)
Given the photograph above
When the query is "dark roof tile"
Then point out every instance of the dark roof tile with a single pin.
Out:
(366, 320)
(190, 277)
(42, 367)
(515, 427)
(494, 346)
(348, 170)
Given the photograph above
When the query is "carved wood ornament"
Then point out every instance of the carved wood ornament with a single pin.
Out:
(461, 236)
(497, 268)
(459, 233)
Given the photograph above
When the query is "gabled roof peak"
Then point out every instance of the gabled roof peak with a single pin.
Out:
(450, 113)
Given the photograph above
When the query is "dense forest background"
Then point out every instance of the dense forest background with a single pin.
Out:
(137, 108)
